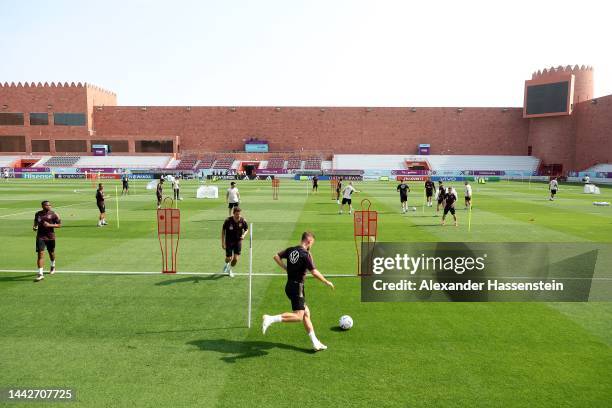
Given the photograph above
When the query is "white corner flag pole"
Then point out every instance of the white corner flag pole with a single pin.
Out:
(117, 204)
(250, 274)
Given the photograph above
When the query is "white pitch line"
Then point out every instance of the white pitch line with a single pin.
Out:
(157, 273)
(34, 211)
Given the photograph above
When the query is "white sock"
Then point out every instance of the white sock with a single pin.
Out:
(40, 271)
(276, 318)
(52, 263)
(313, 338)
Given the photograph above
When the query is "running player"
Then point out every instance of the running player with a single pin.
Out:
(429, 191)
(338, 190)
(101, 205)
(233, 232)
(125, 182)
(468, 195)
(553, 187)
(346, 197)
(232, 197)
(315, 184)
(441, 195)
(159, 192)
(299, 261)
(45, 222)
(403, 189)
(449, 204)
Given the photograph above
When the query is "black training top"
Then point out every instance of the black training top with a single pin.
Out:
(234, 230)
(450, 199)
(42, 232)
(299, 261)
(159, 189)
(403, 189)
(429, 185)
(99, 197)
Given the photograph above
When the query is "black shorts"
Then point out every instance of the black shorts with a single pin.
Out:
(295, 293)
(449, 209)
(232, 205)
(468, 198)
(41, 244)
(125, 186)
(429, 193)
(403, 199)
(553, 192)
(233, 249)
(346, 201)
(102, 208)
(440, 200)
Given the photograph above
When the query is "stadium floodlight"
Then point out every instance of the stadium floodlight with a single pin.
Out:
(593, 101)
(413, 110)
(459, 110)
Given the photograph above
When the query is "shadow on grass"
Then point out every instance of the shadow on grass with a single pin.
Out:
(336, 329)
(19, 278)
(193, 330)
(192, 279)
(243, 349)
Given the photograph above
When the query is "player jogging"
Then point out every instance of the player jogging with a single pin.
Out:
(449, 204)
(159, 192)
(346, 197)
(553, 187)
(125, 183)
(101, 205)
(299, 260)
(233, 232)
(441, 195)
(468, 195)
(403, 189)
(232, 197)
(429, 191)
(315, 184)
(338, 190)
(45, 222)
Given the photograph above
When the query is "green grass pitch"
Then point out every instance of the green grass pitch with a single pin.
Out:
(181, 340)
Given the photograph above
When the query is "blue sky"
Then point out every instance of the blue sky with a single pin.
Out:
(304, 53)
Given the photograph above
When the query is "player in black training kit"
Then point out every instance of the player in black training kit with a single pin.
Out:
(159, 192)
(101, 205)
(449, 206)
(338, 190)
(45, 222)
(429, 190)
(403, 189)
(126, 187)
(315, 184)
(233, 232)
(441, 196)
(299, 261)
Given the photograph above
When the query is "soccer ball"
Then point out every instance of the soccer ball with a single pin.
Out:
(346, 322)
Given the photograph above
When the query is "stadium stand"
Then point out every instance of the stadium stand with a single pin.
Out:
(61, 161)
(294, 163)
(313, 163)
(224, 163)
(131, 162)
(438, 162)
(600, 168)
(7, 161)
(205, 163)
(276, 163)
(187, 163)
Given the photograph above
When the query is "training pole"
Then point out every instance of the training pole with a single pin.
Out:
(250, 275)
(470, 218)
(117, 204)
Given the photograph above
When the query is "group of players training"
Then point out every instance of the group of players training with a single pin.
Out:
(296, 261)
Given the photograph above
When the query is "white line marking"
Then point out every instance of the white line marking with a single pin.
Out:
(34, 211)
(157, 273)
